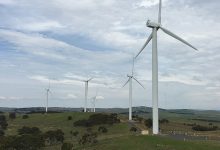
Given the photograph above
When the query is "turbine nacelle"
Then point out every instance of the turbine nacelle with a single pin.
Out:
(151, 24)
(130, 76)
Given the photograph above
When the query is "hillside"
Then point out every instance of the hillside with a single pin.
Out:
(118, 135)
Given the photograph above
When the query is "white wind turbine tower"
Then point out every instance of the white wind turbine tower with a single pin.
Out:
(130, 78)
(86, 92)
(47, 96)
(155, 27)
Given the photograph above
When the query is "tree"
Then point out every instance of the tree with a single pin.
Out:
(69, 118)
(23, 142)
(54, 137)
(148, 123)
(163, 121)
(204, 128)
(98, 119)
(3, 122)
(74, 133)
(25, 116)
(29, 130)
(102, 129)
(12, 115)
(88, 138)
(2, 133)
(133, 129)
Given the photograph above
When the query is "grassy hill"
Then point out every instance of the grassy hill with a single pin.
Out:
(119, 135)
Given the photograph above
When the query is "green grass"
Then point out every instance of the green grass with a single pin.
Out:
(151, 143)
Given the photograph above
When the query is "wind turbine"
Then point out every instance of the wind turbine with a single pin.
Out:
(86, 92)
(47, 96)
(94, 99)
(155, 27)
(130, 78)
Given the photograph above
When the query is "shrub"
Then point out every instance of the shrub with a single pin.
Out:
(204, 128)
(25, 116)
(24, 142)
(2, 133)
(133, 129)
(3, 122)
(102, 129)
(163, 121)
(137, 118)
(75, 133)
(2, 118)
(29, 130)
(69, 118)
(88, 138)
(148, 123)
(12, 115)
(97, 119)
(54, 137)
(66, 146)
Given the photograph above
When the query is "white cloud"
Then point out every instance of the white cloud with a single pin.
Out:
(41, 26)
(100, 97)
(149, 3)
(10, 98)
(7, 2)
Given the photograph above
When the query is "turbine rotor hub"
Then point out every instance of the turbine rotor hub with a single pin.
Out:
(151, 24)
(130, 76)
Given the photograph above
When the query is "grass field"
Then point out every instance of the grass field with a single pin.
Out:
(118, 136)
(152, 143)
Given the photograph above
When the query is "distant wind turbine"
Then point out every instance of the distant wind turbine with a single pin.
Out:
(94, 99)
(155, 27)
(130, 78)
(86, 89)
(47, 96)
(86, 92)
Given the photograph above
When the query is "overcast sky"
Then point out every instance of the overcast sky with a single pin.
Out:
(69, 40)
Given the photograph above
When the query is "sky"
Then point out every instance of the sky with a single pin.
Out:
(63, 42)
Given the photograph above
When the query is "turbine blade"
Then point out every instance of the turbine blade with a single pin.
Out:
(90, 79)
(132, 71)
(159, 14)
(138, 82)
(145, 44)
(177, 37)
(79, 80)
(126, 83)
(49, 84)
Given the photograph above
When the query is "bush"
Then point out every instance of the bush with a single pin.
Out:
(203, 128)
(148, 123)
(137, 118)
(133, 129)
(25, 116)
(97, 119)
(2, 133)
(12, 115)
(163, 121)
(88, 138)
(75, 133)
(54, 137)
(69, 118)
(29, 130)
(67, 146)
(3, 122)
(102, 129)
(24, 142)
